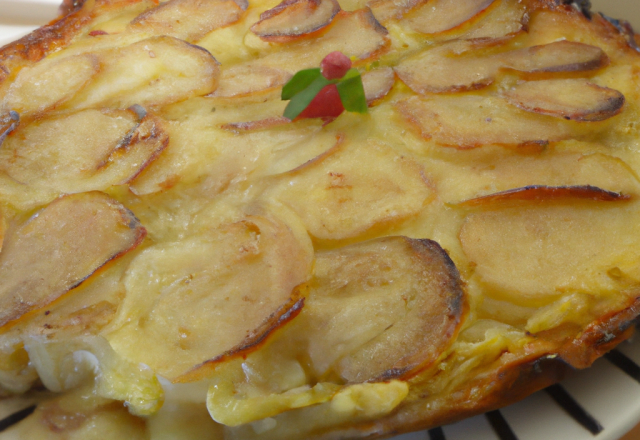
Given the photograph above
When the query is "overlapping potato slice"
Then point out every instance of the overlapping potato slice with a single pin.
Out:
(166, 70)
(474, 174)
(78, 233)
(179, 295)
(575, 99)
(442, 69)
(338, 195)
(357, 34)
(471, 121)
(295, 18)
(49, 83)
(382, 309)
(189, 20)
(561, 56)
(456, 67)
(507, 19)
(533, 253)
(437, 16)
(83, 151)
(377, 83)
(248, 79)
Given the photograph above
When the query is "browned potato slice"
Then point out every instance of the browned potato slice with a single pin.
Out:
(295, 18)
(78, 233)
(247, 79)
(338, 196)
(576, 99)
(507, 19)
(189, 20)
(84, 151)
(49, 83)
(382, 309)
(441, 70)
(357, 34)
(472, 121)
(561, 56)
(547, 193)
(437, 16)
(179, 294)
(166, 70)
(377, 83)
(533, 254)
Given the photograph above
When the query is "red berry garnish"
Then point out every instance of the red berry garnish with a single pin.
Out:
(335, 65)
(326, 104)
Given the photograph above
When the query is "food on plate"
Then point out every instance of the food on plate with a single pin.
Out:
(314, 219)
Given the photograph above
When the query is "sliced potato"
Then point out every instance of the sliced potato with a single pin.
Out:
(338, 196)
(248, 79)
(442, 70)
(49, 83)
(575, 99)
(295, 18)
(437, 16)
(385, 10)
(474, 174)
(377, 83)
(534, 253)
(357, 34)
(561, 56)
(507, 19)
(83, 151)
(166, 70)
(472, 121)
(179, 294)
(382, 309)
(79, 234)
(189, 20)
(547, 193)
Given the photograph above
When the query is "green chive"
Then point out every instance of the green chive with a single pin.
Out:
(299, 82)
(351, 92)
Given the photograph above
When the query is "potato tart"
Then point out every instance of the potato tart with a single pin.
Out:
(179, 260)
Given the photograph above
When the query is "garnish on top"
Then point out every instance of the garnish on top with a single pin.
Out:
(325, 92)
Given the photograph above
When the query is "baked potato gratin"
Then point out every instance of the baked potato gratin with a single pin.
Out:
(180, 261)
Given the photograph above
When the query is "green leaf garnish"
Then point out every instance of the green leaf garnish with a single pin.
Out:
(303, 87)
(303, 98)
(351, 92)
(299, 82)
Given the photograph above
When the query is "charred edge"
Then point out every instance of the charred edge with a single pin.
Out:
(625, 28)
(629, 367)
(574, 409)
(253, 342)
(282, 7)
(457, 301)
(436, 434)
(17, 417)
(542, 192)
(583, 6)
(500, 425)
(14, 117)
(373, 21)
(393, 373)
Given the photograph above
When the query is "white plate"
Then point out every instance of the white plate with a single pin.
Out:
(606, 393)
